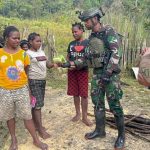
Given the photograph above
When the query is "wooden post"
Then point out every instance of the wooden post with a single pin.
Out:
(50, 41)
(24, 33)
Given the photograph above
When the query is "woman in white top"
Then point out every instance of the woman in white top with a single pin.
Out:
(37, 79)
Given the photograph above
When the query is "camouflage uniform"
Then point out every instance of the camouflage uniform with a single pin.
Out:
(112, 89)
(103, 55)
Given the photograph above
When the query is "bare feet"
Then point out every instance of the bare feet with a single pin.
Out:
(14, 145)
(43, 128)
(43, 134)
(75, 118)
(87, 122)
(41, 145)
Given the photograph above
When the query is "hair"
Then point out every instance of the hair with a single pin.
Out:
(8, 30)
(23, 42)
(79, 25)
(32, 36)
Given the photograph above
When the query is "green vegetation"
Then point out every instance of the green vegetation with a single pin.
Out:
(62, 33)
(131, 18)
(57, 78)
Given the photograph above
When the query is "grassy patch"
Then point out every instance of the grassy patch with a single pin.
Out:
(135, 91)
(57, 83)
(56, 79)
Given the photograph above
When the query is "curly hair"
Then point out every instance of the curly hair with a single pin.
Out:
(79, 25)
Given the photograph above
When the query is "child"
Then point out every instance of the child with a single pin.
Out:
(14, 63)
(24, 45)
(78, 78)
(37, 79)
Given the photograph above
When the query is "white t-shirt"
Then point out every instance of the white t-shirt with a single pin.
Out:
(37, 69)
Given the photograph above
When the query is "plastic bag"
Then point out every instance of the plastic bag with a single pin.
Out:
(33, 101)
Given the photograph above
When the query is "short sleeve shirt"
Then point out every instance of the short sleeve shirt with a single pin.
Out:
(12, 73)
(76, 50)
(37, 69)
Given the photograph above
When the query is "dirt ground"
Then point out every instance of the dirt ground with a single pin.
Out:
(66, 135)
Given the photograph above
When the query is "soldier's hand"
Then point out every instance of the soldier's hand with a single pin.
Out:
(65, 65)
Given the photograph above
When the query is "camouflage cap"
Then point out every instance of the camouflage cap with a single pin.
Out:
(90, 13)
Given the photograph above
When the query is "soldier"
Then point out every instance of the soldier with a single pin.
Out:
(103, 55)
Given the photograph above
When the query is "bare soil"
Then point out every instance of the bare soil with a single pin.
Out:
(67, 135)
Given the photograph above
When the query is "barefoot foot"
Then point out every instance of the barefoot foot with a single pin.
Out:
(43, 128)
(75, 118)
(87, 122)
(41, 145)
(43, 134)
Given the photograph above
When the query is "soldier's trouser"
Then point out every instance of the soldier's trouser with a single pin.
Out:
(113, 93)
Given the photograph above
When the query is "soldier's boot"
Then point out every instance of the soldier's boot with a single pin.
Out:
(119, 144)
(100, 126)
